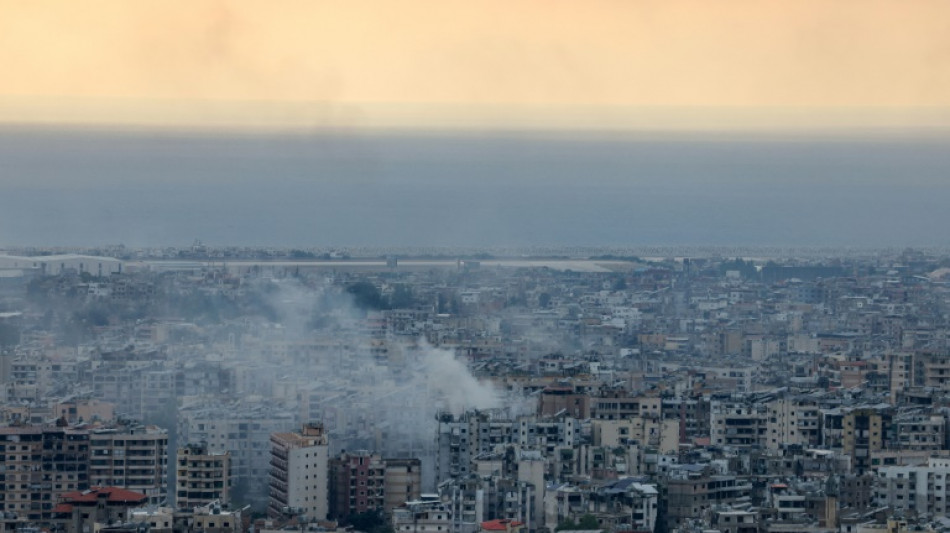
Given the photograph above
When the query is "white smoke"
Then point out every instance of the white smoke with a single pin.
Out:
(373, 390)
(452, 384)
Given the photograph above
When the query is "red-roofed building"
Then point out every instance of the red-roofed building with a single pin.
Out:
(81, 510)
(502, 524)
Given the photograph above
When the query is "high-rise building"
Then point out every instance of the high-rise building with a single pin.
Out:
(39, 464)
(356, 484)
(403, 481)
(244, 430)
(132, 457)
(863, 433)
(299, 481)
(202, 477)
(363, 482)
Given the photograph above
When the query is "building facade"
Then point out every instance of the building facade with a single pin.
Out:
(202, 477)
(299, 483)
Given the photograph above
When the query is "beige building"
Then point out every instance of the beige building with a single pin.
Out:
(792, 421)
(85, 410)
(617, 405)
(403, 481)
(662, 434)
(862, 434)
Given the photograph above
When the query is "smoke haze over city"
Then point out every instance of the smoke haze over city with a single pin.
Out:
(505, 266)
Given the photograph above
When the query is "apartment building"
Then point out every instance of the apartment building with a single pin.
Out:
(299, 483)
(244, 430)
(691, 491)
(357, 484)
(464, 437)
(737, 423)
(863, 432)
(424, 516)
(923, 489)
(202, 477)
(132, 457)
(403, 481)
(37, 465)
(793, 421)
(920, 432)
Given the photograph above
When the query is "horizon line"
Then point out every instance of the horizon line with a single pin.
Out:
(254, 117)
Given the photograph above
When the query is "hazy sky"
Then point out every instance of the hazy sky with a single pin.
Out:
(486, 63)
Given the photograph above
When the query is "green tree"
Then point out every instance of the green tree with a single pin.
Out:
(402, 297)
(587, 522)
(371, 521)
(620, 284)
(366, 296)
(567, 525)
(544, 300)
(9, 335)
(302, 254)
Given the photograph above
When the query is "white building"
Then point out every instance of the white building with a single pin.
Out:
(428, 515)
(922, 489)
(299, 483)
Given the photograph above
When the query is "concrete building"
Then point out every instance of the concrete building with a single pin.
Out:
(209, 518)
(202, 477)
(863, 433)
(39, 464)
(464, 437)
(920, 432)
(691, 491)
(90, 510)
(554, 400)
(738, 423)
(428, 515)
(922, 489)
(403, 482)
(357, 484)
(792, 421)
(131, 457)
(299, 483)
(85, 410)
(245, 431)
(735, 521)
(626, 504)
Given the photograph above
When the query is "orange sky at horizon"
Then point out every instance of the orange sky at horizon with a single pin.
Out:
(486, 63)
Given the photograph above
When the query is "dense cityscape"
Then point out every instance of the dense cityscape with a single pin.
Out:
(436, 266)
(462, 391)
